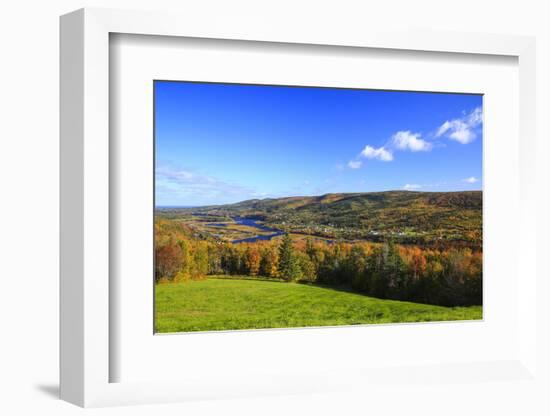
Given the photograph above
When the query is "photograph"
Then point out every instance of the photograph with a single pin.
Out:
(282, 206)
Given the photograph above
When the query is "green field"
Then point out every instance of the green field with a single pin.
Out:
(233, 303)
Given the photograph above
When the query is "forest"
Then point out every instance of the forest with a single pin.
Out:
(445, 275)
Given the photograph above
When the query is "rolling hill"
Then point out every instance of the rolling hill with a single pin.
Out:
(411, 217)
(227, 303)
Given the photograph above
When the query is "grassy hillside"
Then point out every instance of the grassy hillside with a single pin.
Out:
(230, 303)
(413, 217)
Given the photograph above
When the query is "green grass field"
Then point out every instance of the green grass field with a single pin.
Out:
(224, 304)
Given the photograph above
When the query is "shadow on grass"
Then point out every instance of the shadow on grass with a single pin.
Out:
(346, 289)
(341, 288)
(246, 278)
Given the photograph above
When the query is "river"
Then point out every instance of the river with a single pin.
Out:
(251, 222)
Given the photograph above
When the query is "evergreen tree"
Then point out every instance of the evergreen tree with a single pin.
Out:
(234, 265)
(355, 266)
(310, 249)
(289, 267)
(375, 277)
(394, 270)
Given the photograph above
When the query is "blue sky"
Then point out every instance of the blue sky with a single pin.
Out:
(224, 143)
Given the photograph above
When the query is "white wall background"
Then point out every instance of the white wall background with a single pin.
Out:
(29, 204)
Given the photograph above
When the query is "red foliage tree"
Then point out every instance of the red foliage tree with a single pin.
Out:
(168, 260)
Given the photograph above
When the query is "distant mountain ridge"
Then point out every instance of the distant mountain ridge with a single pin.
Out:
(471, 199)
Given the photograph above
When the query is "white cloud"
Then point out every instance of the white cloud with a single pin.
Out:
(475, 117)
(402, 140)
(412, 186)
(471, 179)
(462, 130)
(381, 153)
(355, 164)
(173, 183)
(405, 140)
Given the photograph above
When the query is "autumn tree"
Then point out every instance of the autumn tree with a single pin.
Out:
(269, 262)
(168, 260)
(417, 263)
(215, 259)
(252, 260)
(186, 266)
(200, 260)
(308, 272)
(316, 254)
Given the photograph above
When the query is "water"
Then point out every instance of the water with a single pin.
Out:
(251, 222)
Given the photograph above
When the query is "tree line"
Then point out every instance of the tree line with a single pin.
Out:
(449, 277)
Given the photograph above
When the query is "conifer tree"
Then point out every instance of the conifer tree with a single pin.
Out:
(289, 267)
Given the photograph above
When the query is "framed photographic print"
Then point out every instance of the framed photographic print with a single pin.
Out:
(266, 211)
(287, 206)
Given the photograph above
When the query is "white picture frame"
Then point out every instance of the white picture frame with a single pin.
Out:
(86, 356)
